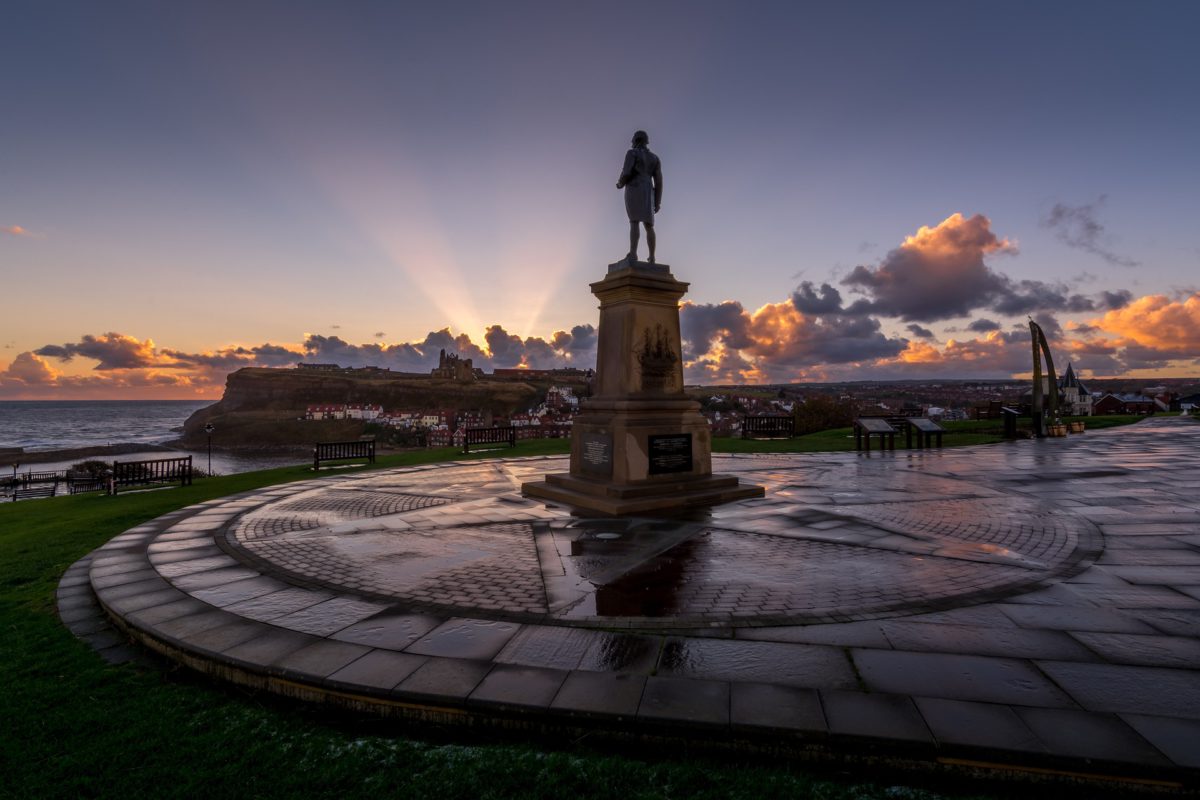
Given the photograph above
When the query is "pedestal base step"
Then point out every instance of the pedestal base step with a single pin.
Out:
(620, 500)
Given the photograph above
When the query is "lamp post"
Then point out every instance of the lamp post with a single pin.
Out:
(209, 430)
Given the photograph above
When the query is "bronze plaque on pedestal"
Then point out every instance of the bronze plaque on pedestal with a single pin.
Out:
(669, 453)
(595, 454)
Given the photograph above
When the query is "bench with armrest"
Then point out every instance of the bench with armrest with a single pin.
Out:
(769, 427)
(491, 438)
(35, 491)
(149, 473)
(342, 451)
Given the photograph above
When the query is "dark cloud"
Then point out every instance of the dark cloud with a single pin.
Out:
(1111, 301)
(983, 325)
(404, 357)
(705, 325)
(1078, 227)
(776, 342)
(918, 331)
(231, 358)
(1050, 327)
(111, 350)
(807, 301)
(380, 334)
(579, 344)
(937, 274)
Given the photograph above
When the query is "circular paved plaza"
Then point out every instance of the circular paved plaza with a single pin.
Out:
(837, 540)
(1031, 605)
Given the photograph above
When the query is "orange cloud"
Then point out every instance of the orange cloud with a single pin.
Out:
(938, 273)
(30, 370)
(957, 237)
(1158, 322)
(15, 230)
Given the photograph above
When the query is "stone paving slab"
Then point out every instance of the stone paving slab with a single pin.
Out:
(1029, 605)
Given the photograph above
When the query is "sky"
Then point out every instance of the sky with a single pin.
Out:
(853, 190)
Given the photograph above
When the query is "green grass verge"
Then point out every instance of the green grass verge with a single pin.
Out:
(73, 726)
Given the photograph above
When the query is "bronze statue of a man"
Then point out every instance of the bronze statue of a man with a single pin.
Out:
(642, 180)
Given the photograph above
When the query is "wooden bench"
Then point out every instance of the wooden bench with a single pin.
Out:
(489, 436)
(33, 492)
(149, 473)
(341, 451)
(83, 485)
(866, 427)
(772, 427)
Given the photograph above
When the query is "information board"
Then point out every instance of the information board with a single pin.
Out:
(595, 454)
(669, 453)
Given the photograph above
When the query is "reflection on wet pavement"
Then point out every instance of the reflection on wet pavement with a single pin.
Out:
(838, 537)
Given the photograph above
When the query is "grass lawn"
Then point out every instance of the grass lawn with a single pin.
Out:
(73, 726)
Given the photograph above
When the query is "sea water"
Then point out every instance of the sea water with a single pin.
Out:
(39, 425)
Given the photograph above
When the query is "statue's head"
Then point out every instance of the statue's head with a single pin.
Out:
(641, 139)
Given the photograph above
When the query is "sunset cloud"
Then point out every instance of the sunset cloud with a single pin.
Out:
(28, 369)
(110, 350)
(808, 335)
(777, 341)
(1156, 321)
(15, 230)
(937, 273)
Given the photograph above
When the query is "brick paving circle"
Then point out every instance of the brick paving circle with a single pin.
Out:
(461, 540)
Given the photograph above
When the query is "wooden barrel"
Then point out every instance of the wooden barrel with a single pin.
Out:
(1077, 427)
(1056, 430)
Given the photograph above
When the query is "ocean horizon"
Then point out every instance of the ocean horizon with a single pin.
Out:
(40, 425)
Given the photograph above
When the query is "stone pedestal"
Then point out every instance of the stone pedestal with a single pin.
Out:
(639, 445)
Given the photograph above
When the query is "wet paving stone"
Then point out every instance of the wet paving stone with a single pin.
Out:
(270, 645)
(757, 705)
(1150, 651)
(548, 646)
(465, 638)
(1077, 733)
(1121, 688)
(377, 669)
(277, 604)
(321, 658)
(329, 616)
(814, 666)
(1178, 739)
(511, 685)
(957, 677)
(685, 700)
(442, 679)
(849, 634)
(876, 716)
(389, 630)
(1073, 619)
(195, 583)
(985, 725)
(224, 637)
(973, 640)
(618, 652)
(165, 612)
(600, 693)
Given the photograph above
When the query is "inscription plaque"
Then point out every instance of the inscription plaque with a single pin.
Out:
(595, 454)
(669, 453)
